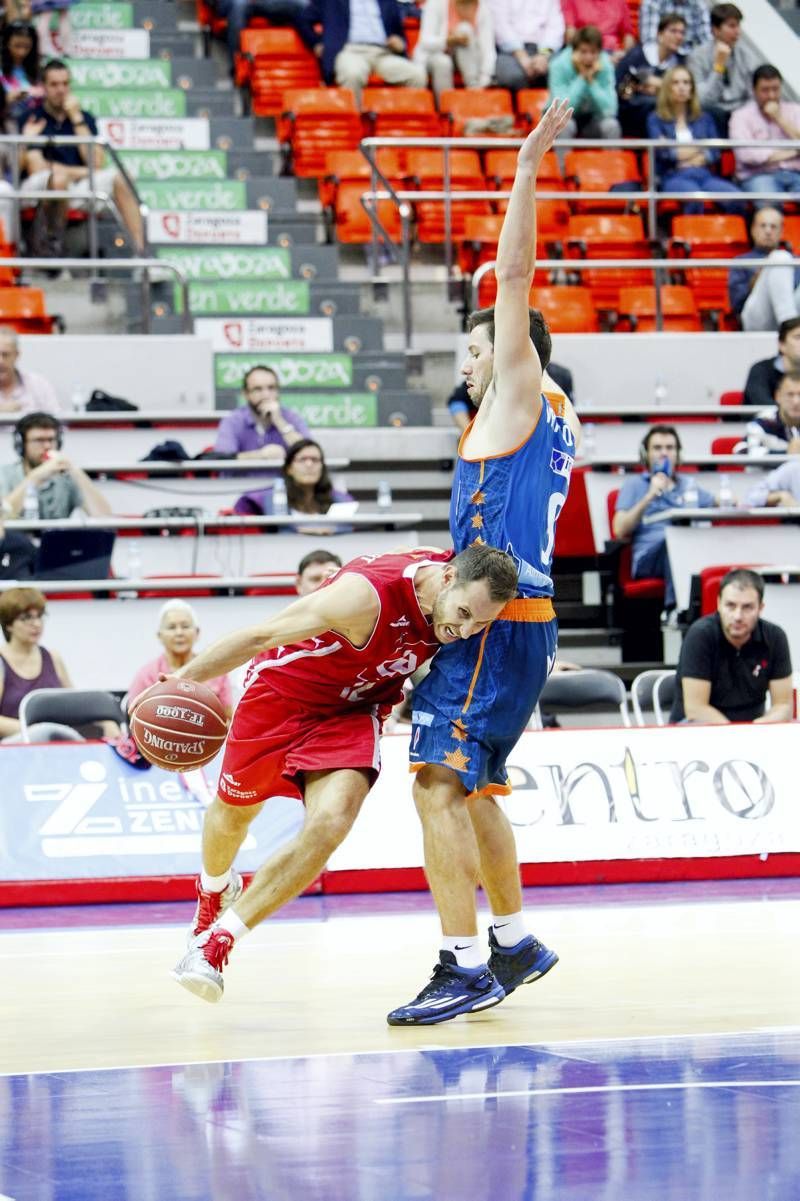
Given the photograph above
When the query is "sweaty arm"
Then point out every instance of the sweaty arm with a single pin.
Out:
(696, 703)
(349, 606)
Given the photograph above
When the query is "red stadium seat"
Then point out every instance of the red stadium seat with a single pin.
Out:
(726, 446)
(649, 587)
(791, 232)
(185, 592)
(710, 580)
(732, 398)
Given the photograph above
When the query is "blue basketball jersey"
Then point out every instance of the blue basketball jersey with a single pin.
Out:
(512, 501)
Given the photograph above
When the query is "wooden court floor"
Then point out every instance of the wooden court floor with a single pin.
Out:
(636, 965)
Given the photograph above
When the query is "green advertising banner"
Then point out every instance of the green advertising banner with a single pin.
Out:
(161, 165)
(219, 196)
(289, 298)
(160, 103)
(293, 370)
(120, 73)
(348, 410)
(230, 262)
(102, 15)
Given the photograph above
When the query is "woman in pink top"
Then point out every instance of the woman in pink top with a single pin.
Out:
(178, 632)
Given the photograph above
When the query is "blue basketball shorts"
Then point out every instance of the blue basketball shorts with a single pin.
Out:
(478, 697)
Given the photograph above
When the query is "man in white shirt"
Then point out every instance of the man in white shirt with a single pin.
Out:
(527, 33)
(22, 391)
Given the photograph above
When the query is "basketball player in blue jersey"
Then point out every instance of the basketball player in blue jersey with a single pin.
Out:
(510, 485)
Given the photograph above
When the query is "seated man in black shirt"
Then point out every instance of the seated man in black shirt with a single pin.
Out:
(765, 375)
(732, 658)
(62, 168)
(776, 431)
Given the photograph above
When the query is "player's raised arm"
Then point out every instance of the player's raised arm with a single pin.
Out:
(517, 370)
(349, 606)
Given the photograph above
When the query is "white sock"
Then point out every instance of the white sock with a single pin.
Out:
(509, 928)
(466, 948)
(232, 924)
(214, 883)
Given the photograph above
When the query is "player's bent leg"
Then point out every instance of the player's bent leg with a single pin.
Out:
(225, 827)
(333, 800)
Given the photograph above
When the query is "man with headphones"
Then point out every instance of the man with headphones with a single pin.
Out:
(658, 488)
(61, 487)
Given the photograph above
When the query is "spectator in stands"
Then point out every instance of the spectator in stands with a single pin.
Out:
(777, 431)
(731, 659)
(314, 569)
(527, 33)
(780, 489)
(239, 12)
(361, 38)
(723, 67)
(456, 35)
(679, 118)
(694, 12)
(611, 17)
(640, 72)
(462, 410)
(764, 299)
(22, 391)
(660, 487)
(60, 486)
(261, 429)
(767, 117)
(584, 75)
(178, 631)
(19, 67)
(765, 375)
(24, 664)
(65, 168)
(309, 489)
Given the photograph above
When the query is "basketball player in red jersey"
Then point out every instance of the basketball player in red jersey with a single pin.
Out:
(324, 674)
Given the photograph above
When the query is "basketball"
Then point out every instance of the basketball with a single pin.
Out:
(179, 725)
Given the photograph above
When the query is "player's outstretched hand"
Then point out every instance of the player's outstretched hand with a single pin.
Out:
(134, 701)
(541, 139)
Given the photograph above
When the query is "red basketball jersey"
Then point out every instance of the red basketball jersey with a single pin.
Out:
(328, 673)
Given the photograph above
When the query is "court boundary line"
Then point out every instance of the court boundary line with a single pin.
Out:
(577, 1042)
(588, 1089)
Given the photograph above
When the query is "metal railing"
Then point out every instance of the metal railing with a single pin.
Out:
(18, 142)
(129, 265)
(403, 198)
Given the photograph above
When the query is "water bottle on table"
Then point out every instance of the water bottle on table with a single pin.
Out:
(726, 498)
(384, 495)
(280, 500)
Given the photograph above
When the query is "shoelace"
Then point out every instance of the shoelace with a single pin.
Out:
(209, 906)
(218, 949)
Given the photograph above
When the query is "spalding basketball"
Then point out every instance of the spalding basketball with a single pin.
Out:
(179, 725)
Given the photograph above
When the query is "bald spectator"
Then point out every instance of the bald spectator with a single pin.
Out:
(765, 299)
(611, 17)
(694, 12)
(767, 117)
(314, 569)
(22, 391)
(723, 68)
(527, 33)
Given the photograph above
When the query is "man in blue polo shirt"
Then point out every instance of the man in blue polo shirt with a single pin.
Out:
(261, 429)
(658, 489)
(66, 168)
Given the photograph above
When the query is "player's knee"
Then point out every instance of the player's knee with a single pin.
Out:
(230, 818)
(436, 789)
(327, 829)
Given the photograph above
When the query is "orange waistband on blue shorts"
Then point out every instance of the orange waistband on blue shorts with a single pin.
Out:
(528, 608)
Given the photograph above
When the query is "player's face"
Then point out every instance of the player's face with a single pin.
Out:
(178, 633)
(461, 610)
(313, 576)
(478, 366)
(766, 229)
(738, 609)
(787, 398)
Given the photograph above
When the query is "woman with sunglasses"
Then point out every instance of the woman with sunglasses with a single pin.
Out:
(309, 489)
(24, 664)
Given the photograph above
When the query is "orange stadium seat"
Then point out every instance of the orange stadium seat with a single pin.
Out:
(501, 167)
(791, 232)
(708, 236)
(349, 166)
(600, 171)
(637, 309)
(531, 103)
(608, 236)
(400, 112)
(352, 223)
(426, 167)
(315, 122)
(458, 107)
(426, 172)
(25, 310)
(272, 62)
(568, 310)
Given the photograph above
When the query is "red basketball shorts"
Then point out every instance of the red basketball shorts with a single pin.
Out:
(272, 742)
